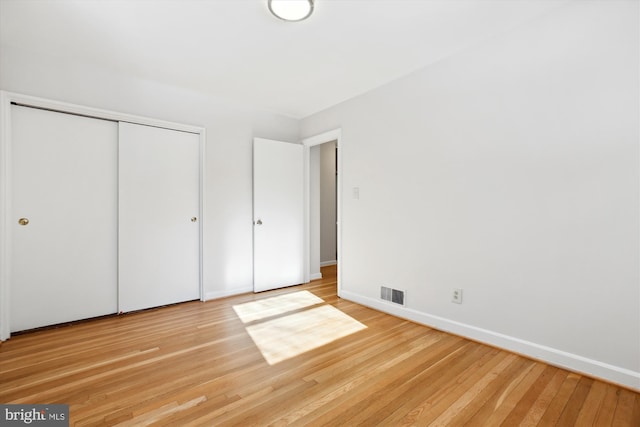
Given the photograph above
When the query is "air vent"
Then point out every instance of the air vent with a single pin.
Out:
(394, 295)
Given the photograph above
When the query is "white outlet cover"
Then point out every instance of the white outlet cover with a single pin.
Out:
(456, 296)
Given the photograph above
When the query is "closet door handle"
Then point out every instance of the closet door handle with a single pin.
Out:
(23, 221)
(194, 219)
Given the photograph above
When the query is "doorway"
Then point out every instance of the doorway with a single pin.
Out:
(323, 206)
(324, 215)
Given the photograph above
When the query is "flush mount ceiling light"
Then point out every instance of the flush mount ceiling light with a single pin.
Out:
(291, 10)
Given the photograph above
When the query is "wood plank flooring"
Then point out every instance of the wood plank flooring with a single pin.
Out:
(332, 363)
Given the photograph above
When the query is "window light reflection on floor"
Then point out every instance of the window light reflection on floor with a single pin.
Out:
(289, 335)
(261, 309)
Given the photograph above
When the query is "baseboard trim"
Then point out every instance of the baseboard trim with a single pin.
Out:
(573, 362)
(328, 263)
(315, 276)
(227, 293)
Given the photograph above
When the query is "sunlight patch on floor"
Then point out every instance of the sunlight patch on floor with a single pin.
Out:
(285, 337)
(274, 306)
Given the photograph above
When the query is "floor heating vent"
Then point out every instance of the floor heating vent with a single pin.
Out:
(393, 295)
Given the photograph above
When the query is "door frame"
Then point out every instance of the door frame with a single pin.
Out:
(6, 99)
(329, 136)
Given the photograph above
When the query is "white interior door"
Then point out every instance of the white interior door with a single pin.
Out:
(64, 183)
(278, 206)
(159, 205)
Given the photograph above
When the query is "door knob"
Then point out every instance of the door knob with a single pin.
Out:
(23, 221)
(194, 219)
(259, 222)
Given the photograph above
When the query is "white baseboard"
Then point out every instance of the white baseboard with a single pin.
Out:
(227, 293)
(327, 263)
(552, 356)
(315, 276)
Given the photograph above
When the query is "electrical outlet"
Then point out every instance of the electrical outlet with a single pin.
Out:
(457, 296)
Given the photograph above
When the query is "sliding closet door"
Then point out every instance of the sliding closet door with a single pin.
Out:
(63, 218)
(159, 201)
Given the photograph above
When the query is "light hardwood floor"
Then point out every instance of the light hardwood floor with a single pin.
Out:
(197, 364)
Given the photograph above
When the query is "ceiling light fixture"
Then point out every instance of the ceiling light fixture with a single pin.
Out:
(291, 10)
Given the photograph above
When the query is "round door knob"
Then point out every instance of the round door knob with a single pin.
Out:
(194, 219)
(259, 222)
(23, 221)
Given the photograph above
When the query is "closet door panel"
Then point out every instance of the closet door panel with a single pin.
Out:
(159, 203)
(64, 183)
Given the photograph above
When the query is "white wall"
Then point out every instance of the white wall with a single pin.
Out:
(328, 245)
(510, 170)
(230, 130)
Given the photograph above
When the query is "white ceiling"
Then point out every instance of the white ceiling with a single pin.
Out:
(234, 49)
